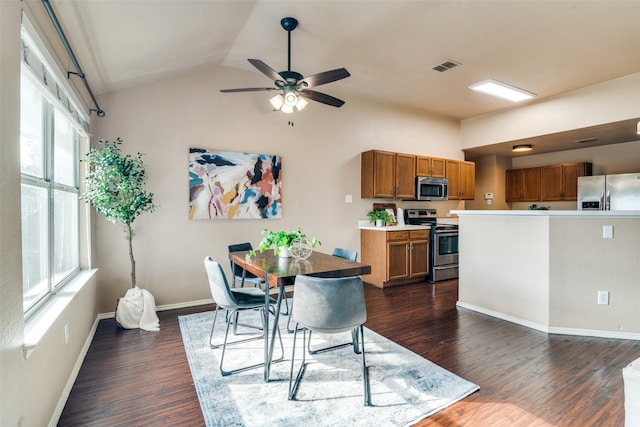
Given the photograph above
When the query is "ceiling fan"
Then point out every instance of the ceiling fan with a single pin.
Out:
(293, 86)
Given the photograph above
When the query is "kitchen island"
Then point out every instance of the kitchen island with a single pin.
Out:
(545, 269)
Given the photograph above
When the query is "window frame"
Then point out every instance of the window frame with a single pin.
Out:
(54, 109)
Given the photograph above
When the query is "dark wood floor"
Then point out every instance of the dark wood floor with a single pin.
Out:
(526, 378)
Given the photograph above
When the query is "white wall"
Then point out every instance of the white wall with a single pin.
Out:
(544, 270)
(321, 164)
(504, 266)
(30, 389)
(606, 102)
(583, 263)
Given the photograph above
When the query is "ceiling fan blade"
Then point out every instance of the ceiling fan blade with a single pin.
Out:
(266, 70)
(249, 89)
(322, 97)
(325, 77)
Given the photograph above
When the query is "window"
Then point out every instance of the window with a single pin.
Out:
(49, 165)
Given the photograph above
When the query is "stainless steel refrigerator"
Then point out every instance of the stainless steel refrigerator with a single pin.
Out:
(609, 192)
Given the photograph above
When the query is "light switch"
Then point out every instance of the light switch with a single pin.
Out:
(348, 198)
(607, 231)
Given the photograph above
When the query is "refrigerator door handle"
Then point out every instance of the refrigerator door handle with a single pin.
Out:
(608, 206)
(602, 206)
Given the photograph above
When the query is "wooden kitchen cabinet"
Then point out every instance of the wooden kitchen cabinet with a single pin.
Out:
(431, 166)
(405, 176)
(547, 183)
(396, 257)
(523, 185)
(560, 182)
(387, 175)
(461, 177)
(418, 253)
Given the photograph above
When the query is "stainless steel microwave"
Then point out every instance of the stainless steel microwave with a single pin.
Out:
(431, 189)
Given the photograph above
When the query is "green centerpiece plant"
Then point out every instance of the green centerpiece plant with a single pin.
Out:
(282, 240)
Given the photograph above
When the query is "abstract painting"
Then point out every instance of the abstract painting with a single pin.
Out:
(230, 185)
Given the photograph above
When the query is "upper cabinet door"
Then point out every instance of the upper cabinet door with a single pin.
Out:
(430, 166)
(378, 171)
(453, 178)
(560, 182)
(467, 181)
(523, 185)
(552, 182)
(405, 176)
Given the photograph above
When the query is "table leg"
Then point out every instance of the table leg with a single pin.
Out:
(274, 332)
(267, 362)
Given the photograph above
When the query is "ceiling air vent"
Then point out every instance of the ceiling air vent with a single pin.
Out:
(582, 141)
(446, 65)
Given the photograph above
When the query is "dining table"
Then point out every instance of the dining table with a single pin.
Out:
(279, 272)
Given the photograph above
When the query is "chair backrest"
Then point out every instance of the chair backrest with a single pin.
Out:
(329, 305)
(345, 253)
(218, 283)
(237, 270)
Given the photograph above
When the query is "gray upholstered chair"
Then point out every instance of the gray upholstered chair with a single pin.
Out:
(234, 300)
(240, 274)
(341, 253)
(329, 306)
(345, 253)
(243, 276)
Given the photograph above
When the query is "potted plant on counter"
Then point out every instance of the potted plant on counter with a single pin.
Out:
(379, 217)
(281, 241)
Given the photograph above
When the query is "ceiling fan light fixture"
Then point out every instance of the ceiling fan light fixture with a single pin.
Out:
(286, 108)
(522, 148)
(290, 98)
(301, 103)
(502, 90)
(277, 102)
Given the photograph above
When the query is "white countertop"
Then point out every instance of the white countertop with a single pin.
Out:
(395, 227)
(565, 213)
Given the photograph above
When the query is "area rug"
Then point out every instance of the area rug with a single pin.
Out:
(405, 387)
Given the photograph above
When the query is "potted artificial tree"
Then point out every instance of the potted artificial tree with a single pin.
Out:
(115, 188)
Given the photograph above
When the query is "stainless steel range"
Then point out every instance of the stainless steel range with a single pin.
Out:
(443, 244)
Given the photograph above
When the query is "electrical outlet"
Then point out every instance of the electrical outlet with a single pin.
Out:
(607, 231)
(66, 333)
(603, 297)
(348, 198)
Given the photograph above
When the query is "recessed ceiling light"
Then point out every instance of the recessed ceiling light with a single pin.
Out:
(502, 90)
(522, 148)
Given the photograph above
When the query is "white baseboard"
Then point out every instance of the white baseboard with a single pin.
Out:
(552, 329)
(55, 417)
(508, 318)
(165, 307)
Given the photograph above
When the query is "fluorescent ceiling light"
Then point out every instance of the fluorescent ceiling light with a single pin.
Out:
(502, 90)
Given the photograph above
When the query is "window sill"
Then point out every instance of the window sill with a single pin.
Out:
(37, 325)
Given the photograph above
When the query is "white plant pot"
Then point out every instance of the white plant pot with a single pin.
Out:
(285, 253)
(379, 223)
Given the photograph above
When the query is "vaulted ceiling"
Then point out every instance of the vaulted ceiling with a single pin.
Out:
(389, 47)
